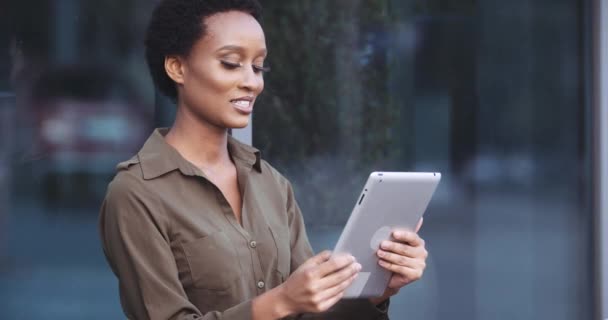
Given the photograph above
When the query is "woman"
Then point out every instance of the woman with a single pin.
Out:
(197, 225)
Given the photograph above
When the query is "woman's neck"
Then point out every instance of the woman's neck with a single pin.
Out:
(199, 142)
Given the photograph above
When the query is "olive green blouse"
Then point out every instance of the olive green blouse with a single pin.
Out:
(178, 251)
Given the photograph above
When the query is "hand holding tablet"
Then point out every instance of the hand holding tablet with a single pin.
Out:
(389, 201)
(405, 257)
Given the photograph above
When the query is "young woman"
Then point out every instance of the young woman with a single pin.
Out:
(197, 225)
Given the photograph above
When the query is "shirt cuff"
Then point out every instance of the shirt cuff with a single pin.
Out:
(383, 307)
(240, 311)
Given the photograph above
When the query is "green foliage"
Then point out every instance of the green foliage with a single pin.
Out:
(327, 99)
(308, 106)
(298, 109)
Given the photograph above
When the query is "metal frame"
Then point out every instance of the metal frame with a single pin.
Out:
(600, 153)
(7, 120)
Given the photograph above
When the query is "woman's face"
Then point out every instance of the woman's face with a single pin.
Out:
(223, 74)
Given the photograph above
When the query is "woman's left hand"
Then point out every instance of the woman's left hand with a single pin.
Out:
(405, 256)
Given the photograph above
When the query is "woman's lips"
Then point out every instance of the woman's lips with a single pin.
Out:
(244, 106)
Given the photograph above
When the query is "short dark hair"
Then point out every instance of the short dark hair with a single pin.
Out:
(175, 27)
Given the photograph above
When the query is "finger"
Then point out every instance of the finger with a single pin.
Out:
(330, 302)
(404, 249)
(419, 224)
(408, 237)
(318, 259)
(334, 264)
(398, 248)
(401, 260)
(406, 272)
(340, 276)
(336, 289)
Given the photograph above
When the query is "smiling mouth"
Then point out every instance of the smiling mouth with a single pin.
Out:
(245, 106)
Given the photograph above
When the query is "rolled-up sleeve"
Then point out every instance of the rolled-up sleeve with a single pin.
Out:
(136, 245)
(301, 250)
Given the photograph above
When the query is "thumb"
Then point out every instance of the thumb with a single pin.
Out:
(318, 259)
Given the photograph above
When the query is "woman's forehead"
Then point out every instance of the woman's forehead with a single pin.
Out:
(233, 28)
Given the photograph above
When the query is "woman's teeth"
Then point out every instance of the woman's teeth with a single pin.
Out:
(241, 103)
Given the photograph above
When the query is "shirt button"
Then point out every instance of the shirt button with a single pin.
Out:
(253, 244)
(261, 284)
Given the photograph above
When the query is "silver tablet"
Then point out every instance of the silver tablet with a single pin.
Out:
(389, 200)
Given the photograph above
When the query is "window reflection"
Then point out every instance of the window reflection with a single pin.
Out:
(487, 92)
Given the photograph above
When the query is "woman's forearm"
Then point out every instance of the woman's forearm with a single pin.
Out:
(269, 306)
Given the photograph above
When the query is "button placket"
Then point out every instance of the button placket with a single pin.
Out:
(261, 284)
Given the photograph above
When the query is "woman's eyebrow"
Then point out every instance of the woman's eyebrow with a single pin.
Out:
(240, 49)
(231, 48)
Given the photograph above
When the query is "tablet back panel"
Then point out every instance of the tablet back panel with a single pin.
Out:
(389, 200)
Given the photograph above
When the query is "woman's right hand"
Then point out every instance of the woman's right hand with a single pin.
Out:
(318, 283)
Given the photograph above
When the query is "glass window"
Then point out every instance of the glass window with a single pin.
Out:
(490, 93)
(75, 100)
(486, 92)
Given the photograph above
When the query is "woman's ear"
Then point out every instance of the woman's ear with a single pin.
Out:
(174, 66)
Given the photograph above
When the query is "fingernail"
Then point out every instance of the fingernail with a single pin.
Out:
(380, 253)
(382, 263)
(358, 267)
(384, 244)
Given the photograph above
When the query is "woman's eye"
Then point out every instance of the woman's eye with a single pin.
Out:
(231, 65)
(235, 65)
(259, 69)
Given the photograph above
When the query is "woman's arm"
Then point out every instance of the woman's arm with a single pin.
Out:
(301, 250)
(314, 287)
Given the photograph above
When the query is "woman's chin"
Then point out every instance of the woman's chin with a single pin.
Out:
(239, 123)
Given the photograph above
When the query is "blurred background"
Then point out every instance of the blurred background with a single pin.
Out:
(494, 94)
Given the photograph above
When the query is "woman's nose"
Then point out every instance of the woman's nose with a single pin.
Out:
(252, 81)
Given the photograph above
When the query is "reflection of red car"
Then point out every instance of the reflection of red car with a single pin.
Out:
(79, 121)
(89, 136)
(83, 139)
